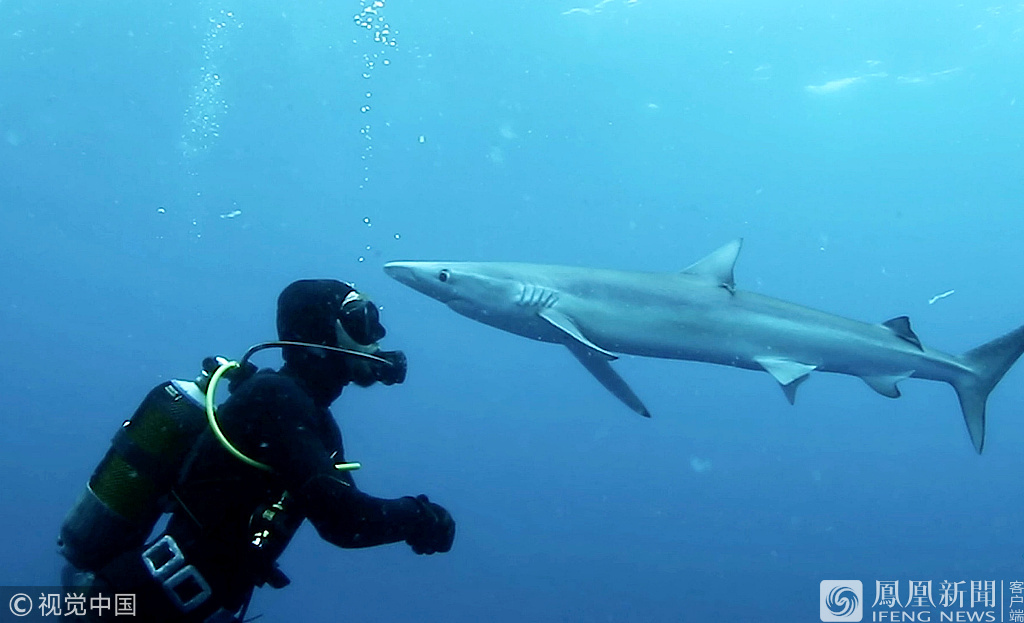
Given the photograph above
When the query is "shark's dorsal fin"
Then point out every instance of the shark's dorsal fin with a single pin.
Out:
(566, 325)
(900, 325)
(718, 267)
(886, 385)
(790, 374)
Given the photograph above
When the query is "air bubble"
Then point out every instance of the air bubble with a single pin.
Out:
(371, 18)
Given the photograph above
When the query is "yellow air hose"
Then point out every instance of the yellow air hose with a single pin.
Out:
(211, 417)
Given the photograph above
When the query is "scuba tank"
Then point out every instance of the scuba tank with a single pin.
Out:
(131, 487)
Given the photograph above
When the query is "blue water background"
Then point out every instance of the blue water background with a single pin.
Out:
(869, 153)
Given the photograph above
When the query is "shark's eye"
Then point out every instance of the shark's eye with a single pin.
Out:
(443, 275)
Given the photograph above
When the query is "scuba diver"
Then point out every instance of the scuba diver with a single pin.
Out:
(238, 480)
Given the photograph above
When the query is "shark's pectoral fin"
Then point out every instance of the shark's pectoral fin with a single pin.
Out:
(886, 385)
(900, 325)
(719, 266)
(566, 325)
(598, 365)
(790, 374)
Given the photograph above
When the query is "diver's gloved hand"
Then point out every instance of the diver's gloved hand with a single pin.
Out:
(436, 531)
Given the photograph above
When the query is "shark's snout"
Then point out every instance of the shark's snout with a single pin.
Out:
(451, 283)
(401, 272)
(422, 277)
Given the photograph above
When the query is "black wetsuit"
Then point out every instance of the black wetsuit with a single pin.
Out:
(280, 419)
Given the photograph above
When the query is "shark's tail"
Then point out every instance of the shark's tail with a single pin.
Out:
(989, 363)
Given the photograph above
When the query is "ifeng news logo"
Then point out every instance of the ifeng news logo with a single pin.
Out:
(842, 600)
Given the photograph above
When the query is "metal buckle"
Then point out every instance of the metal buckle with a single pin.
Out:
(183, 584)
(163, 558)
(187, 589)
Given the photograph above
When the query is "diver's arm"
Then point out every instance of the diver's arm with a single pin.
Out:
(288, 428)
(345, 516)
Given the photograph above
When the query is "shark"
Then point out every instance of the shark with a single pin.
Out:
(698, 314)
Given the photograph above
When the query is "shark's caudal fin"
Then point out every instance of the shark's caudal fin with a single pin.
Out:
(989, 362)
